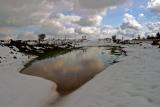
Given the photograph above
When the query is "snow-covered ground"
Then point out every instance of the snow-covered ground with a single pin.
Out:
(133, 82)
(18, 90)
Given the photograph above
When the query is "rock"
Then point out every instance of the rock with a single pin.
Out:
(155, 42)
(15, 57)
(11, 52)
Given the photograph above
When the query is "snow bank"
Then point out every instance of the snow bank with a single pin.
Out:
(18, 90)
(134, 82)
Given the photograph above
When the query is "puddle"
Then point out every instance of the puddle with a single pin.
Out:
(73, 69)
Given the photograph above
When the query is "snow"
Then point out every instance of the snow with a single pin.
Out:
(18, 90)
(133, 82)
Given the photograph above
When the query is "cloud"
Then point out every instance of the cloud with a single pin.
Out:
(99, 4)
(70, 31)
(4, 37)
(27, 36)
(141, 15)
(154, 5)
(85, 19)
(113, 7)
(7, 32)
(51, 27)
(30, 12)
(153, 27)
(55, 16)
(109, 31)
(149, 33)
(93, 11)
(18, 12)
(130, 27)
(129, 22)
(94, 20)
(88, 30)
(66, 20)
(129, 33)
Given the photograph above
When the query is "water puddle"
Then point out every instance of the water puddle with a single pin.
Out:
(71, 70)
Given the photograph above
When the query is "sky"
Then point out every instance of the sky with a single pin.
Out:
(25, 19)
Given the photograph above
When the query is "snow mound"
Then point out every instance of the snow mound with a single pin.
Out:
(18, 90)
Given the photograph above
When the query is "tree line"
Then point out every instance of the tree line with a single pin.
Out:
(154, 37)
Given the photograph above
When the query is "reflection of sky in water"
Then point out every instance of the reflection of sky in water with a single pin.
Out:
(74, 57)
(71, 70)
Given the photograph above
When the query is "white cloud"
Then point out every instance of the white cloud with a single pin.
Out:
(153, 27)
(141, 15)
(130, 28)
(113, 7)
(70, 31)
(129, 33)
(68, 18)
(129, 22)
(90, 20)
(154, 5)
(93, 11)
(109, 31)
(88, 30)
(63, 19)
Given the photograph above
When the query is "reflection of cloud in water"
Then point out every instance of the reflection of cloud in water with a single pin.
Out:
(67, 76)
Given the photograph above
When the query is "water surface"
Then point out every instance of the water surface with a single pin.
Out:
(71, 70)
